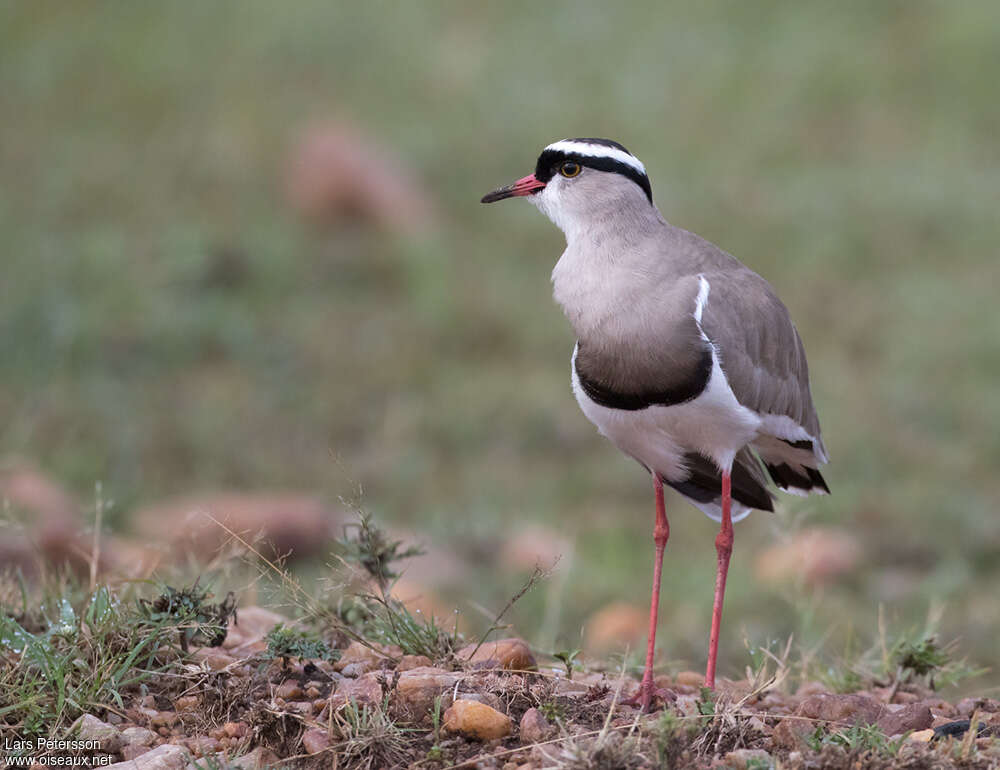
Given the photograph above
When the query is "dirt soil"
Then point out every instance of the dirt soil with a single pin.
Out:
(495, 707)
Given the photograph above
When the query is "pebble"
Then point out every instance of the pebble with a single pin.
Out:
(260, 757)
(364, 689)
(315, 740)
(852, 708)
(915, 716)
(477, 721)
(790, 733)
(168, 756)
(130, 752)
(690, 679)
(187, 703)
(811, 687)
(203, 745)
(90, 728)
(213, 658)
(534, 727)
(512, 654)
(304, 707)
(417, 689)
(410, 662)
(163, 719)
(367, 658)
(138, 736)
(289, 690)
(235, 729)
(354, 670)
(967, 706)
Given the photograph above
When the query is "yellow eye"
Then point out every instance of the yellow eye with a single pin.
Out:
(570, 169)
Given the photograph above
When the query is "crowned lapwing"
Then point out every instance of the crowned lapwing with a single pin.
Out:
(685, 358)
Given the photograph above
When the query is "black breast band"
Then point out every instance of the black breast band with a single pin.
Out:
(685, 390)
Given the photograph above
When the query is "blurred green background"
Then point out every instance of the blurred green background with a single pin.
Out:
(170, 323)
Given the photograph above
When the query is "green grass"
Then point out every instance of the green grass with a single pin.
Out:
(847, 152)
(85, 652)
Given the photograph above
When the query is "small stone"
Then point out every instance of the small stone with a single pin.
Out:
(690, 678)
(354, 670)
(687, 705)
(740, 758)
(234, 729)
(409, 662)
(129, 752)
(759, 726)
(853, 709)
(370, 658)
(968, 706)
(488, 698)
(511, 654)
(811, 687)
(534, 727)
(257, 759)
(417, 689)
(213, 658)
(315, 740)
(915, 716)
(187, 703)
(289, 690)
(144, 714)
(163, 719)
(251, 623)
(903, 697)
(90, 728)
(304, 707)
(138, 736)
(168, 756)
(312, 692)
(921, 736)
(364, 689)
(790, 733)
(203, 745)
(477, 721)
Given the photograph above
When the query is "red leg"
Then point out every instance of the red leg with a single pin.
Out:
(724, 549)
(661, 533)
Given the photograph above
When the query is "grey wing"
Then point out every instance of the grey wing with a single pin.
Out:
(765, 363)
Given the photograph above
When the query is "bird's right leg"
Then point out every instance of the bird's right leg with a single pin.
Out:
(661, 533)
(724, 549)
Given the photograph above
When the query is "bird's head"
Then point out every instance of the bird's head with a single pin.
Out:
(577, 181)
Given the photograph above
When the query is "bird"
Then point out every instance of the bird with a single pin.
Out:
(685, 358)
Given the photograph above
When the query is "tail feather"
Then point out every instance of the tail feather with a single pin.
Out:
(704, 484)
(792, 465)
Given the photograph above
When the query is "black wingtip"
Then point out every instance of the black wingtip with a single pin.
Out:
(785, 476)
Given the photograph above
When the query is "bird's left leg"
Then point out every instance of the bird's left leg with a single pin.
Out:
(724, 549)
(661, 533)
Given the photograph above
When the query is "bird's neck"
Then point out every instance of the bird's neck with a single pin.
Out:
(610, 266)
